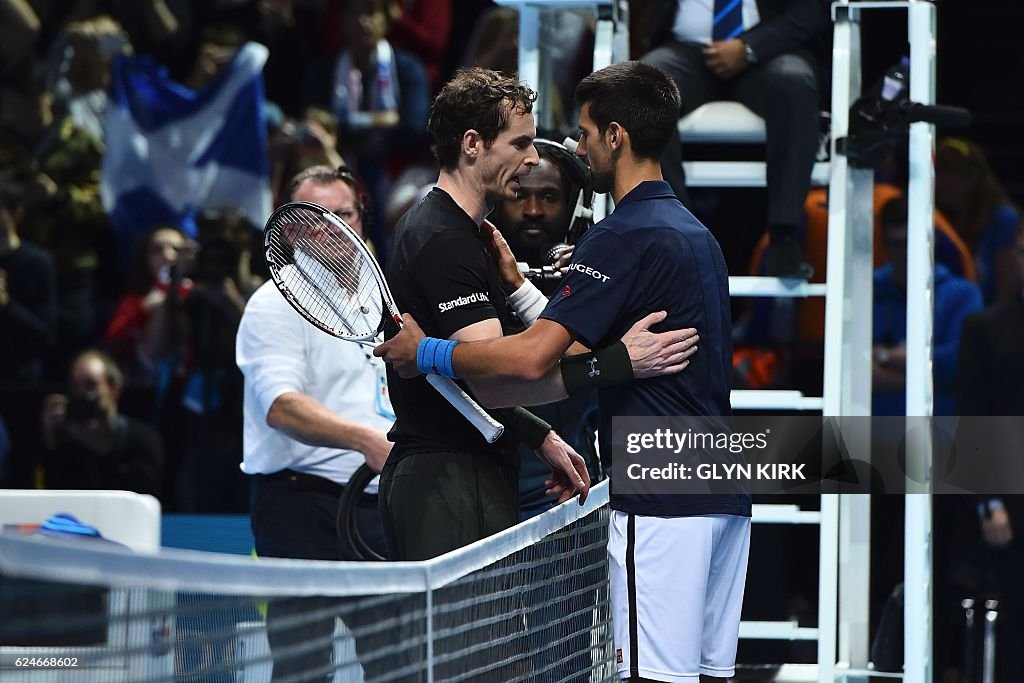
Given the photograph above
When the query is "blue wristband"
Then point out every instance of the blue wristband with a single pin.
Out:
(449, 357)
(425, 354)
(434, 356)
(420, 353)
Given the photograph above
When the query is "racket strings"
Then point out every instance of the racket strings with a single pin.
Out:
(326, 274)
(346, 292)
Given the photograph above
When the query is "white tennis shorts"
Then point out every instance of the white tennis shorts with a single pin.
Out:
(677, 590)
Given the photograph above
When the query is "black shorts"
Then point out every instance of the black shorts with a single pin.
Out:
(434, 501)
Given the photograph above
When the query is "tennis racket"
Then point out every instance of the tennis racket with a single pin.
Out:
(327, 274)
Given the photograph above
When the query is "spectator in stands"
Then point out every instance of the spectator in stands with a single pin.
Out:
(955, 298)
(28, 323)
(137, 335)
(82, 77)
(315, 410)
(781, 340)
(21, 82)
(990, 377)
(19, 29)
(770, 56)
(298, 144)
(379, 93)
(220, 41)
(971, 196)
(207, 321)
(69, 221)
(88, 444)
(991, 372)
(381, 96)
(28, 311)
(285, 27)
(143, 337)
(421, 27)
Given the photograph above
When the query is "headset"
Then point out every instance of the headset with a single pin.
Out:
(581, 195)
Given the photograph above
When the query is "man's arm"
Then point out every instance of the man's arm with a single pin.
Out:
(524, 363)
(308, 421)
(529, 355)
(568, 469)
(649, 354)
(803, 24)
(270, 354)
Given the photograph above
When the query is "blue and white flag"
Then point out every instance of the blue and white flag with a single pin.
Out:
(172, 151)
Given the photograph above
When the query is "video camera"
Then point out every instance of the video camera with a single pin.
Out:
(880, 119)
(83, 407)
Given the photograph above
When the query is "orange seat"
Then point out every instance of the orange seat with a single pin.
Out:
(811, 311)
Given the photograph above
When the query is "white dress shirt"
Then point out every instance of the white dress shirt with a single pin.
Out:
(278, 352)
(695, 17)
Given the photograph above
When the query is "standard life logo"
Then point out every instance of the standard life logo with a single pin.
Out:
(475, 297)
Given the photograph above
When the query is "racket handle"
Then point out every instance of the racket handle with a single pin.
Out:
(470, 409)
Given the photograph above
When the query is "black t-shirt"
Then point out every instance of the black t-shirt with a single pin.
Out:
(649, 255)
(441, 272)
(134, 463)
(29, 321)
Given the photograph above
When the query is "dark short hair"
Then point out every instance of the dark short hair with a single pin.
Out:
(641, 98)
(478, 99)
(894, 212)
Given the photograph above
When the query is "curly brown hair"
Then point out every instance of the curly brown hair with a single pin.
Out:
(475, 99)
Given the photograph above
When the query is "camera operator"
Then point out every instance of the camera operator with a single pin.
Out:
(88, 444)
(541, 223)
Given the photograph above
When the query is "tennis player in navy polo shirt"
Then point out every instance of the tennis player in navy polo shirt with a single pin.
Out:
(677, 563)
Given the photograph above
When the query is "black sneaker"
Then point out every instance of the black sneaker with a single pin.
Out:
(785, 258)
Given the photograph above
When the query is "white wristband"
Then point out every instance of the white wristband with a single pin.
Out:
(527, 302)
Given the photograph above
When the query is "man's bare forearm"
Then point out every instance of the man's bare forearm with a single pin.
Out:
(528, 356)
(511, 392)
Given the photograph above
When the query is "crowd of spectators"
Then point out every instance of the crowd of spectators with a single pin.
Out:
(158, 306)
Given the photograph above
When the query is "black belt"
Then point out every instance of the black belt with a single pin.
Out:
(308, 482)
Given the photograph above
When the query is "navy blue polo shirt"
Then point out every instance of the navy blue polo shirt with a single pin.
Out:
(651, 254)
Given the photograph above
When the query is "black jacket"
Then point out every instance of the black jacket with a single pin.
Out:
(990, 370)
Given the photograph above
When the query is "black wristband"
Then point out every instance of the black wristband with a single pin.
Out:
(597, 370)
(529, 429)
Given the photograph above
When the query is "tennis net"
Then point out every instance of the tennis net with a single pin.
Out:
(528, 604)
